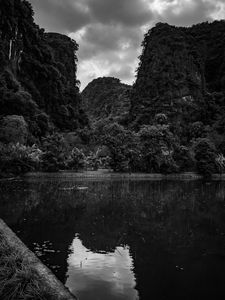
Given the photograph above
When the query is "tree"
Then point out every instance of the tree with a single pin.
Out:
(183, 158)
(54, 156)
(205, 156)
(76, 159)
(13, 129)
(157, 144)
(124, 148)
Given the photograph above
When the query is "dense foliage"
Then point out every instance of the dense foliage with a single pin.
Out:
(37, 71)
(171, 120)
(181, 75)
(178, 69)
(106, 97)
(39, 92)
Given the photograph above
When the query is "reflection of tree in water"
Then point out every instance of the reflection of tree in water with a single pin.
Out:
(172, 228)
(166, 225)
(17, 197)
(165, 212)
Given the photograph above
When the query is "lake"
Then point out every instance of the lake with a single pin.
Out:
(123, 239)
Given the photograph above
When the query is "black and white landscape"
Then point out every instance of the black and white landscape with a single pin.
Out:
(112, 147)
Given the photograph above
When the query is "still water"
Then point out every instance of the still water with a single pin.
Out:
(123, 239)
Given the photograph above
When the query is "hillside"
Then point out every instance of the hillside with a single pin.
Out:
(179, 69)
(106, 97)
(171, 120)
(176, 120)
(37, 72)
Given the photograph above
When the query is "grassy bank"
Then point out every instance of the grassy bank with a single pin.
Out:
(22, 275)
(17, 279)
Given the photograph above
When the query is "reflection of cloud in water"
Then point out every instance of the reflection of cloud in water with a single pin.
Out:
(100, 275)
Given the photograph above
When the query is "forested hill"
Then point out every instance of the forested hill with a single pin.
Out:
(37, 73)
(171, 120)
(181, 73)
(106, 97)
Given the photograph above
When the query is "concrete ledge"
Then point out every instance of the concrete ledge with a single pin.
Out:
(55, 288)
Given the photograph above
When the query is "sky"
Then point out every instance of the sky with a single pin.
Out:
(110, 32)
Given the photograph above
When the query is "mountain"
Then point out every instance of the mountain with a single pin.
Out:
(179, 70)
(106, 97)
(37, 72)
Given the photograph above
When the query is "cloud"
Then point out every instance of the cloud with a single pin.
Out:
(184, 12)
(100, 38)
(110, 32)
(108, 50)
(127, 12)
(63, 16)
(125, 73)
(71, 15)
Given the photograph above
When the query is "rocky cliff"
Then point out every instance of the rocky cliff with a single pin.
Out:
(37, 72)
(106, 97)
(178, 67)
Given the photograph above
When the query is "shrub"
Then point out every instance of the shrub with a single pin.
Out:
(13, 129)
(183, 158)
(54, 155)
(197, 130)
(161, 119)
(76, 159)
(123, 146)
(205, 156)
(93, 161)
(17, 158)
(220, 162)
(157, 144)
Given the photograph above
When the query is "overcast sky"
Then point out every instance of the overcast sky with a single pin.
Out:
(109, 32)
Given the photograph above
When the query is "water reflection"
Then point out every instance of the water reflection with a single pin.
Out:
(175, 231)
(105, 275)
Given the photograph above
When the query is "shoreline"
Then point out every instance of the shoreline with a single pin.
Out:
(110, 175)
(107, 174)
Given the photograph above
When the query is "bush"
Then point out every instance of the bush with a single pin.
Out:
(161, 119)
(157, 145)
(54, 155)
(183, 158)
(205, 156)
(220, 162)
(17, 158)
(13, 129)
(197, 130)
(123, 146)
(76, 160)
(57, 155)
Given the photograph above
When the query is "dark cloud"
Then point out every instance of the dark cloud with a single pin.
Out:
(61, 15)
(110, 32)
(101, 38)
(127, 12)
(71, 15)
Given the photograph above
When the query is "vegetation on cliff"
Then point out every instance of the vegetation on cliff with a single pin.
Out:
(179, 67)
(175, 122)
(38, 70)
(106, 97)
(39, 92)
(181, 75)
(171, 120)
